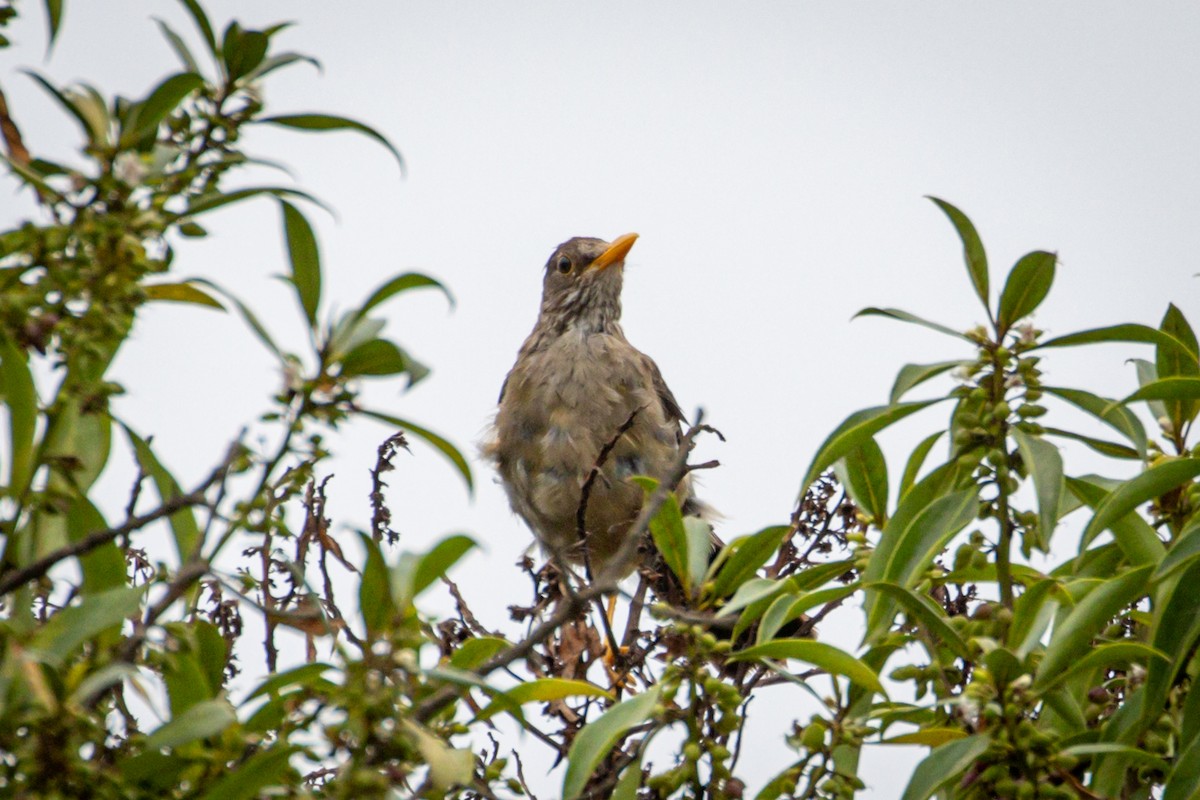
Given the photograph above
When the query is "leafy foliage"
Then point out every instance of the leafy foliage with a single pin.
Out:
(1062, 681)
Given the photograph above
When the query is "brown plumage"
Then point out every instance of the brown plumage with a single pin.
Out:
(576, 381)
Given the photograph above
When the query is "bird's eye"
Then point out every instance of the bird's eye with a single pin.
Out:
(564, 264)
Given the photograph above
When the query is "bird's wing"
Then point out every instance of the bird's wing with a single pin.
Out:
(669, 406)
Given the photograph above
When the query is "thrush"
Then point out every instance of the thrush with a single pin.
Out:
(577, 387)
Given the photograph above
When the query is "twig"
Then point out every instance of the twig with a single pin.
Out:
(381, 515)
(586, 491)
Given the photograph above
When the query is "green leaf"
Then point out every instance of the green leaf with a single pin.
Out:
(1027, 286)
(863, 471)
(96, 613)
(20, 400)
(178, 45)
(476, 651)
(93, 130)
(543, 690)
(448, 766)
(328, 122)
(1102, 446)
(944, 766)
(214, 200)
(249, 778)
(598, 738)
(400, 284)
(374, 591)
(54, 9)
(305, 259)
(973, 253)
(1169, 362)
(925, 611)
(754, 590)
(104, 567)
(1134, 536)
(671, 539)
(164, 99)
(182, 293)
(1174, 631)
(243, 50)
(183, 522)
(440, 558)
(1147, 373)
(303, 675)
(788, 607)
(251, 320)
(1117, 417)
(912, 375)
(101, 680)
(1072, 637)
(440, 444)
(820, 655)
(202, 24)
(904, 316)
(198, 722)
(853, 432)
(1045, 466)
(630, 781)
(1184, 780)
(929, 737)
(1176, 388)
(377, 357)
(914, 543)
(917, 460)
(1032, 614)
(1149, 485)
(744, 556)
(1105, 655)
(1128, 332)
(1185, 548)
(699, 549)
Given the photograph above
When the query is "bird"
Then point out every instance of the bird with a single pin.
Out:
(579, 389)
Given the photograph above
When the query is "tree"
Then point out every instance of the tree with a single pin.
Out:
(1073, 681)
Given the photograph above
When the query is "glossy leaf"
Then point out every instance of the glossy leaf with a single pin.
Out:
(249, 778)
(1153, 483)
(183, 522)
(440, 444)
(1027, 286)
(924, 610)
(944, 765)
(21, 404)
(305, 259)
(912, 375)
(671, 540)
(1117, 417)
(917, 460)
(598, 738)
(400, 284)
(788, 607)
(1106, 655)
(1045, 466)
(1175, 631)
(1128, 332)
(745, 556)
(1102, 446)
(182, 293)
(328, 122)
(95, 613)
(820, 655)
(1185, 548)
(1072, 637)
(164, 99)
(904, 316)
(853, 432)
(198, 722)
(1176, 388)
(543, 690)
(863, 471)
(973, 252)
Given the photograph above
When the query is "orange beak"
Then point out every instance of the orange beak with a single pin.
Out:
(615, 253)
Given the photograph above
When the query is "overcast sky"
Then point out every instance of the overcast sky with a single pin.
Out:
(774, 160)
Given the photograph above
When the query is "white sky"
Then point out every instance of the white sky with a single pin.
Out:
(773, 160)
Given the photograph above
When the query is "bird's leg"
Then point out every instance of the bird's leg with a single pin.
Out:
(614, 653)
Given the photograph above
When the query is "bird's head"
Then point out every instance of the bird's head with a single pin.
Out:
(582, 287)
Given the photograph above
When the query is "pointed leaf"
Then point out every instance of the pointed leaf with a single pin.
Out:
(328, 122)
(164, 99)
(70, 628)
(944, 766)
(904, 316)
(378, 357)
(375, 590)
(251, 320)
(598, 738)
(305, 259)
(820, 655)
(1106, 655)
(1185, 548)
(1153, 483)
(1102, 446)
(1133, 535)
(19, 395)
(973, 253)
(89, 126)
(1027, 286)
(54, 9)
(853, 432)
(863, 471)
(202, 24)
(925, 611)
(198, 722)
(1176, 388)
(1045, 466)
(1073, 636)
(912, 375)
(1175, 631)
(250, 777)
(1117, 417)
(399, 284)
(182, 293)
(917, 460)
(439, 559)
(542, 690)
(1147, 373)
(439, 443)
(183, 522)
(178, 45)
(747, 555)
(1128, 332)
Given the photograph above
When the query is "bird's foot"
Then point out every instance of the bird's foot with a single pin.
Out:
(619, 678)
